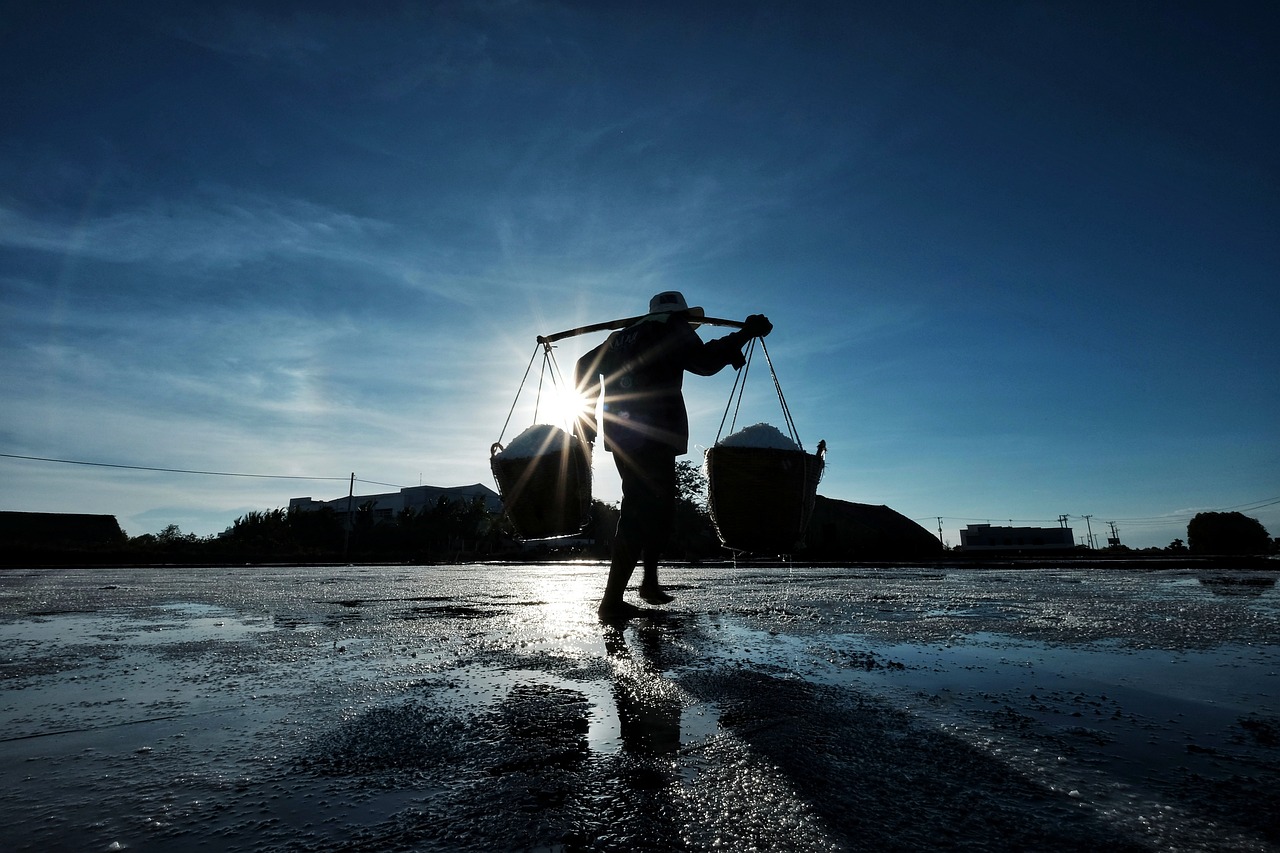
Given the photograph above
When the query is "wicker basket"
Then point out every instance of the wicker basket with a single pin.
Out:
(548, 495)
(761, 498)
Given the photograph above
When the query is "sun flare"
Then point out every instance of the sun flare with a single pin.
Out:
(566, 405)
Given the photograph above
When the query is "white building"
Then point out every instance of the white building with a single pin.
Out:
(984, 537)
(387, 506)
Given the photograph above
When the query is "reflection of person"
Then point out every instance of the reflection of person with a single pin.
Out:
(646, 426)
(648, 710)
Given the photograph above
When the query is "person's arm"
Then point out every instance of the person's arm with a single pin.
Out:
(708, 358)
(586, 378)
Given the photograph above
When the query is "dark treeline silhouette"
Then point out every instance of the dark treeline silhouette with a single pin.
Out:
(449, 531)
(459, 531)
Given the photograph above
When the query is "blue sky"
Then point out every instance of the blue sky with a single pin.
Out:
(1021, 258)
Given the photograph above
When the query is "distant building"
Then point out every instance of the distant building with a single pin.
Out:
(388, 505)
(985, 537)
(61, 530)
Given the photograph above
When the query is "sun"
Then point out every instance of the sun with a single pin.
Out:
(566, 405)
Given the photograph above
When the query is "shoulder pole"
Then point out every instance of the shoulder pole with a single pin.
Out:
(622, 323)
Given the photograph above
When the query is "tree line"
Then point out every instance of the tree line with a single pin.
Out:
(449, 531)
(457, 531)
(467, 530)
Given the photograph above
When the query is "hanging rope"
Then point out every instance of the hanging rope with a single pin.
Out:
(786, 411)
(740, 387)
(550, 367)
(518, 390)
(761, 497)
(542, 377)
(557, 379)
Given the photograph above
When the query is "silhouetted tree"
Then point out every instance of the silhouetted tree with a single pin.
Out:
(282, 534)
(169, 545)
(315, 532)
(693, 536)
(1227, 533)
(260, 534)
(691, 483)
(173, 536)
(601, 528)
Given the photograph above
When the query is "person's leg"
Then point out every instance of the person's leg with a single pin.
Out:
(650, 576)
(662, 481)
(623, 561)
(628, 537)
(644, 523)
(651, 591)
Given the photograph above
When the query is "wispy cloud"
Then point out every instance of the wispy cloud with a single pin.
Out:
(231, 241)
(217, 232)
(382, 57)
(300, 38)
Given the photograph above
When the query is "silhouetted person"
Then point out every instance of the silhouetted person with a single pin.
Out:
(641, 369)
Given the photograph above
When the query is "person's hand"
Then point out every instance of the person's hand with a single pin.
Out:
(757, 326)
(587, 432)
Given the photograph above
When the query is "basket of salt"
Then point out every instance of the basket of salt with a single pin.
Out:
(761, 488)
(544, 477)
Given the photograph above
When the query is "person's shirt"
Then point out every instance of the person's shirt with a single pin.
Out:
(641, 369)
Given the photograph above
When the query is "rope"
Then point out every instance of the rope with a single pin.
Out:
(786, 411)
(558, 380)
(740, 387)
(518, 390)
(550, 367)
(542, 376)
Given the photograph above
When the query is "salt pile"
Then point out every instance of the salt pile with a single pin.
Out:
(537, 440)
(760, 435)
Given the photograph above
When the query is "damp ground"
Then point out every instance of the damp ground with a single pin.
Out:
(482, 708)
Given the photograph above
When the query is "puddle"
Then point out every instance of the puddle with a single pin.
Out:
(168, 623)
(472, 707)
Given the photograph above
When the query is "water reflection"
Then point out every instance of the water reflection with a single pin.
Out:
(648, 705)
(1244, 586)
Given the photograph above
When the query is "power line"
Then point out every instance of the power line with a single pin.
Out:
(178, 470)
(1175, 516)
(987, 519)
(1266, 502)
(1170, 518)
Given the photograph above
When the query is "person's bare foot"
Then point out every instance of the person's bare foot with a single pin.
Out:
(616, 612)
(652, 593)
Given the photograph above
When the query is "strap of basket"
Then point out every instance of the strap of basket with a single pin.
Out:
(740, 385)
(549, 366)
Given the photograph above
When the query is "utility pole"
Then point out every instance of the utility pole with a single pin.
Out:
(940, 542)
(346, 539)
(1088, 525)
(1115, 534)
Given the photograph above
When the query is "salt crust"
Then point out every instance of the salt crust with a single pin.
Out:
(759, 435)
(537, 440)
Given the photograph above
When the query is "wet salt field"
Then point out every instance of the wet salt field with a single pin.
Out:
(486, 708)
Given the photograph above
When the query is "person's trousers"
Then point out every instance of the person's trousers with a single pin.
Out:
(648, 499)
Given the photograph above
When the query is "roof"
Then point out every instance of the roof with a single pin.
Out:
(853, 531)
(58, 529)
